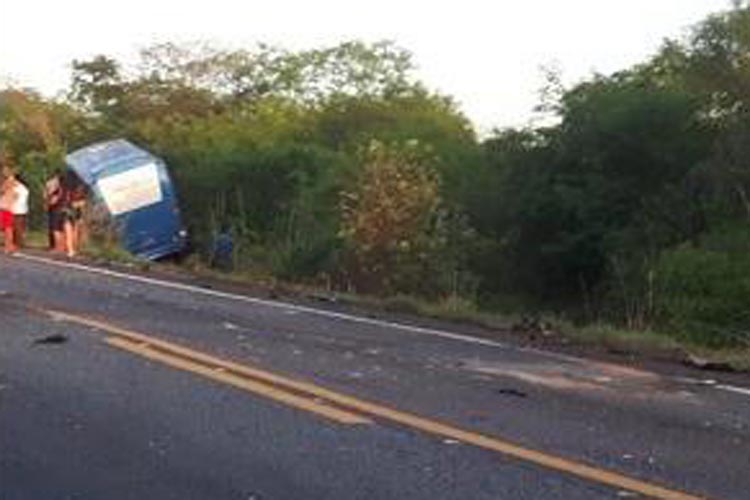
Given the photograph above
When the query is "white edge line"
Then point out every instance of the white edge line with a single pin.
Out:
(736, 390)
(323, 312)
(265, 302)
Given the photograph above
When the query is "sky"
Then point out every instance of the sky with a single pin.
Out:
(487, 54)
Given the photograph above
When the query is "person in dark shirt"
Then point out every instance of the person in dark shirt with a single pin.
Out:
(53, 203)
(222, 253)
(73, 203)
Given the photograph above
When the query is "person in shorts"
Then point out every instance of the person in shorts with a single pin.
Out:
(20, 210)
(53, 203)
(8, 195)
(73, 204)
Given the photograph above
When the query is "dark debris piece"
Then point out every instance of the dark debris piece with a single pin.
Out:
(53, 339)
(512, 392)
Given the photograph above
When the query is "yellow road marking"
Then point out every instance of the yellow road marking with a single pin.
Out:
(189, 359)
(276, 394)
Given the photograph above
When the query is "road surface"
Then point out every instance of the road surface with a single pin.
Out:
(116, 386)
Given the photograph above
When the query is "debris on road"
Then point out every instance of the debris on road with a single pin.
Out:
(55, 338)
(512, 392)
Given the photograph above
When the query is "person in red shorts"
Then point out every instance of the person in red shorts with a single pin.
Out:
(20, 211)
(8, 195)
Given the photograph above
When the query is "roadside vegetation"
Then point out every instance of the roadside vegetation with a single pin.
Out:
(627, 213)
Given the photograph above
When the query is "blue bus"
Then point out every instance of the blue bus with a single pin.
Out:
(134, 187)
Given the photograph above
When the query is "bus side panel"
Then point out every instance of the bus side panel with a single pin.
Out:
(156, 230)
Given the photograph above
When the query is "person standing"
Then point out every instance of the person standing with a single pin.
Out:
(53, 203)
(73, 204)
(8, 197)
(20, 210)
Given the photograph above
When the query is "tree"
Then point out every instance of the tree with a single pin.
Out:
(309, 76)
(397, 232)
(613, 178)
(98, 86)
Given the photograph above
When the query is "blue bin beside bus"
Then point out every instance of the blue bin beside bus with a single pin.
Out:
(139, 196)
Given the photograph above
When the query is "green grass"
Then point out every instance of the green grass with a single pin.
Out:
(658, 344)
(111, 254)
(36, 239)
(654, 344)
(736, 359)
(623, 340)
(451, 308)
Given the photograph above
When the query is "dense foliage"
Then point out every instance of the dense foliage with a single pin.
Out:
(337, 166)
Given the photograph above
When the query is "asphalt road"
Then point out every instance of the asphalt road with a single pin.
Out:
(132, 397)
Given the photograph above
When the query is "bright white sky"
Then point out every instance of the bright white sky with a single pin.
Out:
(485, 53)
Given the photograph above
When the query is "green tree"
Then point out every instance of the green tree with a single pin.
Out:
(396, 229)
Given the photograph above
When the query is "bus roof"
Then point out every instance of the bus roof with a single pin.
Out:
(89, 162)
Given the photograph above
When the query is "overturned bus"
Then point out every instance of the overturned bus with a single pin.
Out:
(134, 189)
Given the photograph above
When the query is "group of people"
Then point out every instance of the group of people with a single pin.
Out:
(64, 201)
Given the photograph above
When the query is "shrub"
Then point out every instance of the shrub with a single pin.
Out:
(702, 291)
(398, 234)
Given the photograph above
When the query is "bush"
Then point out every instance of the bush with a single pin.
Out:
(702, 291)
(398, 234)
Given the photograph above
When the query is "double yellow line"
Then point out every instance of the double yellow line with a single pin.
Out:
(295, 394)
(346, 409)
